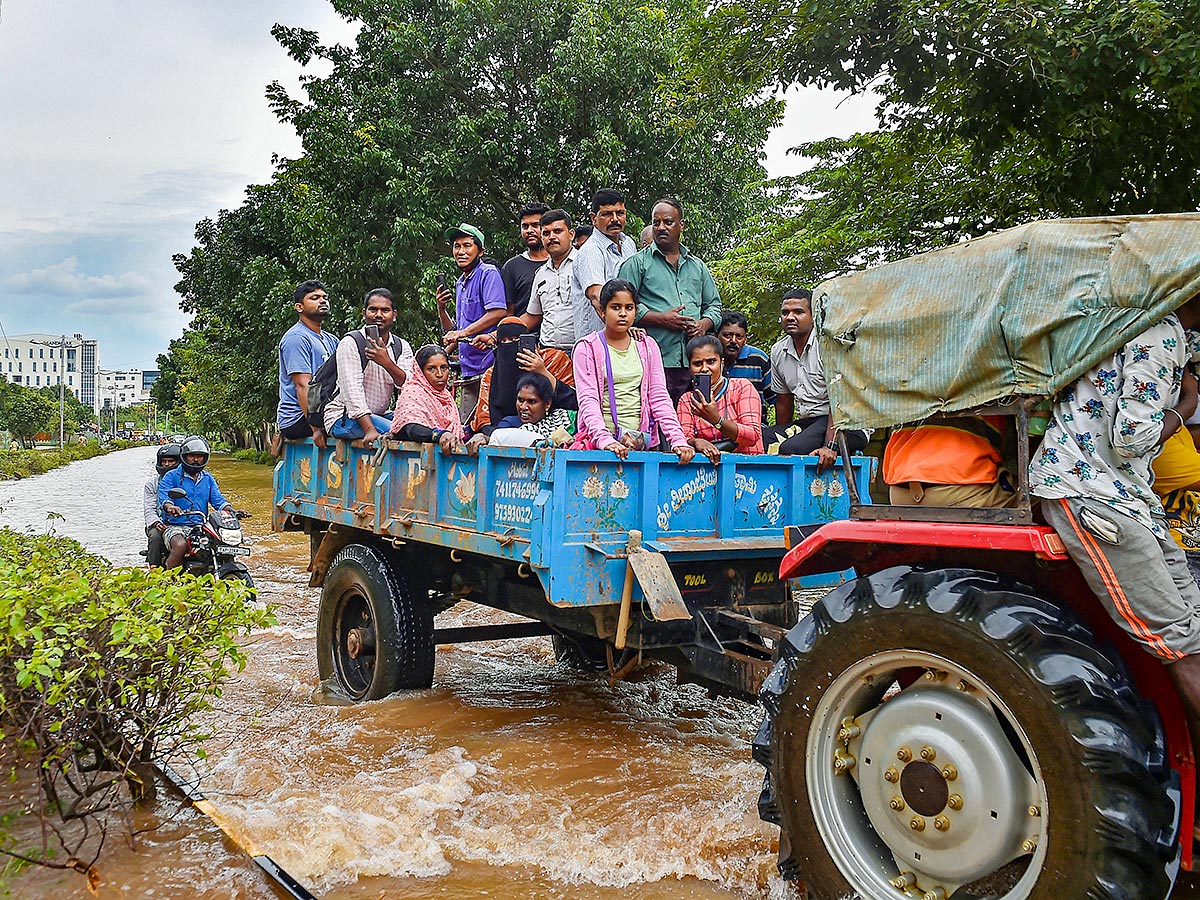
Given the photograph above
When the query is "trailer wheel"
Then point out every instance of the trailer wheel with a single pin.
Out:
(580, 652)
(373, 636)
(948, 734)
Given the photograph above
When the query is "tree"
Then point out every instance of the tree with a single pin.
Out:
(991, 114)
(1088, 107)
(28, 413)
(107, 675)
(444, 112)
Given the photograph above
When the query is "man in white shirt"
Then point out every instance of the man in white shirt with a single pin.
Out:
(166, 459)
(803, 423)
(360, 408)
(550, 297)
(599, 260)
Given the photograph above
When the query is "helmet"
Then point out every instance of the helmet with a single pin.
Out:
(166, 452)
(194, 444)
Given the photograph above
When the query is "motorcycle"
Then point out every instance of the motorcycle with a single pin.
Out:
(215, 544)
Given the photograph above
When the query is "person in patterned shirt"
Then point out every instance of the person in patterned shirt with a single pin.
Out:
(1093, 476)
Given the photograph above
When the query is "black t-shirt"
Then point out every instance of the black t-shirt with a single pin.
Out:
(518, 275)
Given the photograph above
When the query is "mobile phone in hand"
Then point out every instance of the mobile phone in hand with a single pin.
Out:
(703, 384)
(441, 281)
(528, 342)
(373, 332)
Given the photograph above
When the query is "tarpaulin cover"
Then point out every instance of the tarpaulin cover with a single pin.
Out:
(1023, 312)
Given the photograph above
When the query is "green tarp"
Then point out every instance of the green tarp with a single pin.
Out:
(1023, 312)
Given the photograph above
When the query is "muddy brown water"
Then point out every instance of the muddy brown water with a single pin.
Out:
(510, 778)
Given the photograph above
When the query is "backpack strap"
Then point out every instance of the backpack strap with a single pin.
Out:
(361, 340)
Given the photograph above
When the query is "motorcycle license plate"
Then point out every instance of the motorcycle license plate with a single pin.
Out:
(234, 551)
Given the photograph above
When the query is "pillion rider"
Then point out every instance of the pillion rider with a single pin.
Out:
(166, 459)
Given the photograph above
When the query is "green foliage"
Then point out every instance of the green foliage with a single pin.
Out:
(444, 112)
(23, 463)
(991, 114)
(1088, 108)
(26, 412)
(105, 672)
(261, 457)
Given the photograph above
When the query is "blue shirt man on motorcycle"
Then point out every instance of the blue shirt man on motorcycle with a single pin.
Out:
(184, 512)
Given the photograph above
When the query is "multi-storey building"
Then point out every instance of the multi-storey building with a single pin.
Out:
(38, 360)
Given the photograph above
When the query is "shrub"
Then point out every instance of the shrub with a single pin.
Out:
(23, 463)
(104, 674)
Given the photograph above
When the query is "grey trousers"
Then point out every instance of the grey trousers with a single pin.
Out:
(1142, 579)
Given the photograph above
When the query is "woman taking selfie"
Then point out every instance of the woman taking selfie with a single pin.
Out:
(719, 413)
(621, 386)
(426, 411)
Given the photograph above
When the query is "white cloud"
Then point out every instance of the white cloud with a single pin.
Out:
(65, 280)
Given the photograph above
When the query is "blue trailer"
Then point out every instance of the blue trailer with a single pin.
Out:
(616, 559)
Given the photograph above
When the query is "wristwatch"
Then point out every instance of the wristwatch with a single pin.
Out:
(834, 446)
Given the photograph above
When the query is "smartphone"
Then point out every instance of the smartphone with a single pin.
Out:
(441, 281)
(703, 383)
(373, 332)
(528, 342)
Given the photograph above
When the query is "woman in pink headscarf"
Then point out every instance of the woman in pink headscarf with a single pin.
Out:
(426, 411)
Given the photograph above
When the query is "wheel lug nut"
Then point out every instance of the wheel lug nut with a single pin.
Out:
(941, 823)
(891, 775)
(897, 803)
(934, 675)
(903, 754)
(904, 880)
(955, 801)
(843, 762)
(1035, 811)
(849, 730)
(917, 824)
(949, 773)
(963, 686)
(1028, 846)
(928, 753)
(936, 894)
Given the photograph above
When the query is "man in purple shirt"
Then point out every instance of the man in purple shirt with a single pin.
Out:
(479, 305)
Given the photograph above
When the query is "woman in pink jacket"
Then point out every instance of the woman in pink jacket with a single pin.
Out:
(621, 386)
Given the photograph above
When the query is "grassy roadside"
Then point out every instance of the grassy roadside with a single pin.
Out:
(23, 463)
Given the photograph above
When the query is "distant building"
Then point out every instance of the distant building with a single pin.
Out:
(34, 360)
(128, 387)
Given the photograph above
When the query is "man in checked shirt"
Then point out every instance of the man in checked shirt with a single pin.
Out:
(360, 409)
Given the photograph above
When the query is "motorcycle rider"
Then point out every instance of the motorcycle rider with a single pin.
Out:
(202, 492)
(165, 460)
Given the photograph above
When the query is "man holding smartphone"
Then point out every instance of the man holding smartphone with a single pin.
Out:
(372, 364)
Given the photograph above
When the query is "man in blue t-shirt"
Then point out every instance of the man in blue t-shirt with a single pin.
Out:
(479, 305)
(182, 513)
(302, 350)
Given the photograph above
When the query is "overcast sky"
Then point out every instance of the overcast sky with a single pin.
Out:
(127, 122)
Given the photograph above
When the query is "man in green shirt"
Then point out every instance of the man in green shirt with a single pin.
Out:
(678, 298)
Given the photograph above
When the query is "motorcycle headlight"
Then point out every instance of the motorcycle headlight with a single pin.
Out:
(231, 535)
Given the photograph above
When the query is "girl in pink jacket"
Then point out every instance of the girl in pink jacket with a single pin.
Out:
(620, 383)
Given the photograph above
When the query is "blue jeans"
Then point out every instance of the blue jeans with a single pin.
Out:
(349, 430)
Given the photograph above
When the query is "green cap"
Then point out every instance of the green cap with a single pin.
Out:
(465, 230)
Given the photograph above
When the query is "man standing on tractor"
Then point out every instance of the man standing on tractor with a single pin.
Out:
(1093, 475)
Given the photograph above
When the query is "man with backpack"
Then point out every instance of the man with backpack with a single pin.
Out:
(355, 396)
(302, 351)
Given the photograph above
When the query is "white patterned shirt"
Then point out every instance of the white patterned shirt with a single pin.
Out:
(1103, 432)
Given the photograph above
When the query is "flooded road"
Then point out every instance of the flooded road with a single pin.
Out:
(510, 778)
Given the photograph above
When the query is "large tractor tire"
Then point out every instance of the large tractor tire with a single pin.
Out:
(374, 636)
(937, 734)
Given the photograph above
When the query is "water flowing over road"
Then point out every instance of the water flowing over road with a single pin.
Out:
(510, 778)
